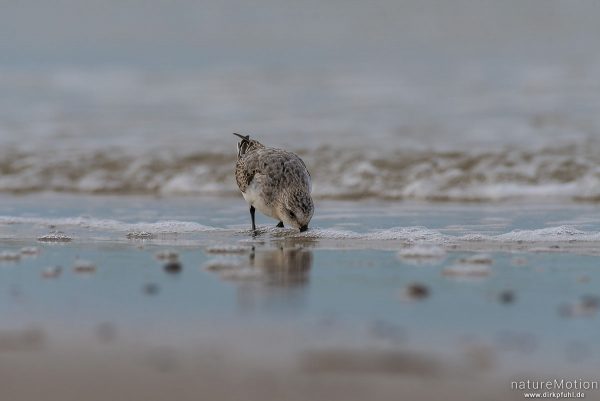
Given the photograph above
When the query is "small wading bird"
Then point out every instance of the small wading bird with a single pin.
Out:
(275, 182)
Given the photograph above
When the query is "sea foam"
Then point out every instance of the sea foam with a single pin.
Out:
(569, 173)
(166, 226)
(410, 235)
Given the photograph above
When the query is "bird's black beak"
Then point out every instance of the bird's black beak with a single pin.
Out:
(303, 228)
(247, 137)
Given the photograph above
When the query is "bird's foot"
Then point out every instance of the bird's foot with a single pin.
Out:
(257, 232)
(280, 224)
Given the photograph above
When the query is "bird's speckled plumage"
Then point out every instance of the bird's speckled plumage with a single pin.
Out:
(274, 181)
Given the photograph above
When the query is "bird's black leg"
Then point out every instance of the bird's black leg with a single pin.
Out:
(252, 215)
(280, 224)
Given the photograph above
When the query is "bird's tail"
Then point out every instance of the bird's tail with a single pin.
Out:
(246, 144)
(242, 146)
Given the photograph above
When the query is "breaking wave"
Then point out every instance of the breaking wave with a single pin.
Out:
(567, 173)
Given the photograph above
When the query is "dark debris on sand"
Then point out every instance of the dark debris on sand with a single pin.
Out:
(417, 291)
(173, 267)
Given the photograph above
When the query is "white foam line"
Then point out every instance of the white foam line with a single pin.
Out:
(563, 233)
(550, 234)
(396, 233)
(166, 226)
(421, 234)
(559, 233)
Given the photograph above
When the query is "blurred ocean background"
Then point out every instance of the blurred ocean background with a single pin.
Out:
(461, 100)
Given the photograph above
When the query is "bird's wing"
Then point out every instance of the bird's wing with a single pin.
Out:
(306, 168)
(247, 167)
(275, 165)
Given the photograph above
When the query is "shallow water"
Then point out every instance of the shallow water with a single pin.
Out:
(443, 285)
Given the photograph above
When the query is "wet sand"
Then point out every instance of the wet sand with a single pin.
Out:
(175, 299)
(125, 374)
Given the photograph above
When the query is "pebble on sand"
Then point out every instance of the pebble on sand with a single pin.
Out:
(507, 297)
(416, 291)
(173, 267)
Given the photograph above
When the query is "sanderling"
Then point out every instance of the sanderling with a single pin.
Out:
(275, 182)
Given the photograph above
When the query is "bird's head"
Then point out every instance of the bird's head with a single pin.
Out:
(246, 144)
(296, 209)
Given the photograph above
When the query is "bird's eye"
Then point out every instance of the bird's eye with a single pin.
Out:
(292, 215)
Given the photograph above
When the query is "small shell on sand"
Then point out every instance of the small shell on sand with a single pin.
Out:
(84, 266)
(421, 254)
(167, 254)
(51, 272)
(55, 236)
(139, 235)
(467, 271)
(422, 251)
(245, 273)
(30, 250)
(479, 259)
(10, 256)
(223, 263)
(227, 249)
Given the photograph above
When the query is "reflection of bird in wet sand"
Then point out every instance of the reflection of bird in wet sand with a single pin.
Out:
(274, 181)
(284, 267)
(283, 280)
